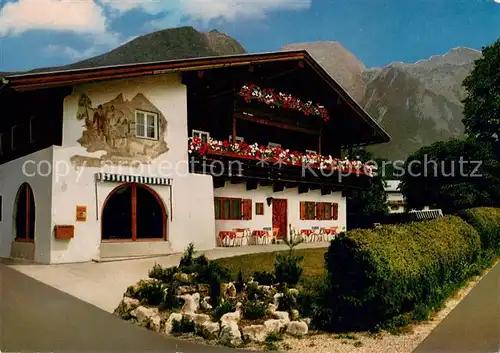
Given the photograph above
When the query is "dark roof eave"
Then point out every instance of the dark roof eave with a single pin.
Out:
(41, 80)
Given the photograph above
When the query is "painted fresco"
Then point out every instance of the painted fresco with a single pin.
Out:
(111, 127)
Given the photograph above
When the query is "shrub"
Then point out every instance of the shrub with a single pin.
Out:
(223, 308)
(264, 278)
(183, 326)
(149, 292)
(239, 284)
(377, 276)
(486, 220)
(162, 274)
(254, 292)
(288, 301)
(287, 269)
(254, 310)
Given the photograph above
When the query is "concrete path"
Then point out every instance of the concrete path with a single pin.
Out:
(35, 317)
(474, 325)
(103, 284)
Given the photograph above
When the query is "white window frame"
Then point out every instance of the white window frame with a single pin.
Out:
(273, 144)
(200, 133)
(156, 125)
(239, 139)
(311, 151)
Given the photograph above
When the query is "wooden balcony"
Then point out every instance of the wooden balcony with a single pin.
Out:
(275, 166)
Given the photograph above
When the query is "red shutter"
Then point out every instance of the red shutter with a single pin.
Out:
(302, 210)
(335, 211)
(319, 210)
(247, 209)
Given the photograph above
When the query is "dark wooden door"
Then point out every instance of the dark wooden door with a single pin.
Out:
(280, 217)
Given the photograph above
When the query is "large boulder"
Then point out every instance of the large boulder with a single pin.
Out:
(297, 328)
(209, 330)
(145, 316)
(191, 303)
(230, 334)
(274, 326)
(255, 333)
(170, 322)
(126, 305)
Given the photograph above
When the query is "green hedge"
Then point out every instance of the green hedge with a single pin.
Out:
(395, 274)
(486, 220)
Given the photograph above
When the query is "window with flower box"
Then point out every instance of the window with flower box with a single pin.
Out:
(320, 211)
(203, 135)
(227, 208)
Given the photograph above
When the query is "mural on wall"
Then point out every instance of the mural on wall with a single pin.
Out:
(128, 131)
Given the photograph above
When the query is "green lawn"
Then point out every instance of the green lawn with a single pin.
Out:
(313, 263)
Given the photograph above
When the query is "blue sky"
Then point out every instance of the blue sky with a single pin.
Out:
(39, 33)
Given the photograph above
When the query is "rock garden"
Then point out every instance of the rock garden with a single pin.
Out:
(199, 297)
(372, 290)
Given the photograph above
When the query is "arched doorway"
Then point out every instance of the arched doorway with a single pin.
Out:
(24, 211)
(133, 212)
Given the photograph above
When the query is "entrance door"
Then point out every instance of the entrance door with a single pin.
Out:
(280, 217)
(133, 212)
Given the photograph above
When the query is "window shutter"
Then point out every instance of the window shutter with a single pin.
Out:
(316, 210)
(302, 210)
(247, 209)
(217, 207)
(335, 211)
(320, 211)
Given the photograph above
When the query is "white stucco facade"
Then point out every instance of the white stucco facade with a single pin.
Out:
(259, 222)
(59, 186)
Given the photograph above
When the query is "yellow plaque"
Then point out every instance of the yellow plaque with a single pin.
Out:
(81, 213)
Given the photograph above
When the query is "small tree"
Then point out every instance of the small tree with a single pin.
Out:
(482, 104)
(287, 269)
(451, 175)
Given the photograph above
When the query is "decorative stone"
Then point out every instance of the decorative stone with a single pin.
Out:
(210, 330)
(200, 319)
(186, 290)
(295, 315)
(297, 328)
(276, 299)
(130, 304)
(274, 326)
(280, 315)
(183, 277)
(228, 290)
(203, 288)
(230, 334)
(143, 314)
(234, 316)
(204, 304)
(294, 291)
(255, 333)
(170, 322)
(307, 320)
(191, 303)
(155, 323)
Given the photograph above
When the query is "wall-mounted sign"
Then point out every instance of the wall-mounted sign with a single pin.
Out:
(81, 213)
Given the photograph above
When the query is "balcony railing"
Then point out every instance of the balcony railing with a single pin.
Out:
(277, 155)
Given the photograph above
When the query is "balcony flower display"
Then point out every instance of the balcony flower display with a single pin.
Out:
(252, 92)
(275, 154)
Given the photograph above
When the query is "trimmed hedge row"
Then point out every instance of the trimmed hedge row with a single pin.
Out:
(486, 220)
(395, 274)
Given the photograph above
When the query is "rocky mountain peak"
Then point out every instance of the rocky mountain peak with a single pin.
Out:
(338, 62)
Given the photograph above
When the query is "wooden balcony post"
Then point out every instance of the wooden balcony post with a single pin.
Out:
(234, 130)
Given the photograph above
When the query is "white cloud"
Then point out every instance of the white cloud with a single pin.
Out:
(206, 10)
(497, 1)
(80, 16)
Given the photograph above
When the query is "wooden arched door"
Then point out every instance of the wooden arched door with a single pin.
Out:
(25, 214)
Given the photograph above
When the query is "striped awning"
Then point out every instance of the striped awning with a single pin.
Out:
(121, 178)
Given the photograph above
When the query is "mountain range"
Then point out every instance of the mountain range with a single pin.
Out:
(417, 104)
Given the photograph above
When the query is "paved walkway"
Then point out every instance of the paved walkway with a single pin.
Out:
(474, 325)
(35, 317)
(103, 284)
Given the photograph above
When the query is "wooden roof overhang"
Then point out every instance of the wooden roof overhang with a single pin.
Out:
(350, 124)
